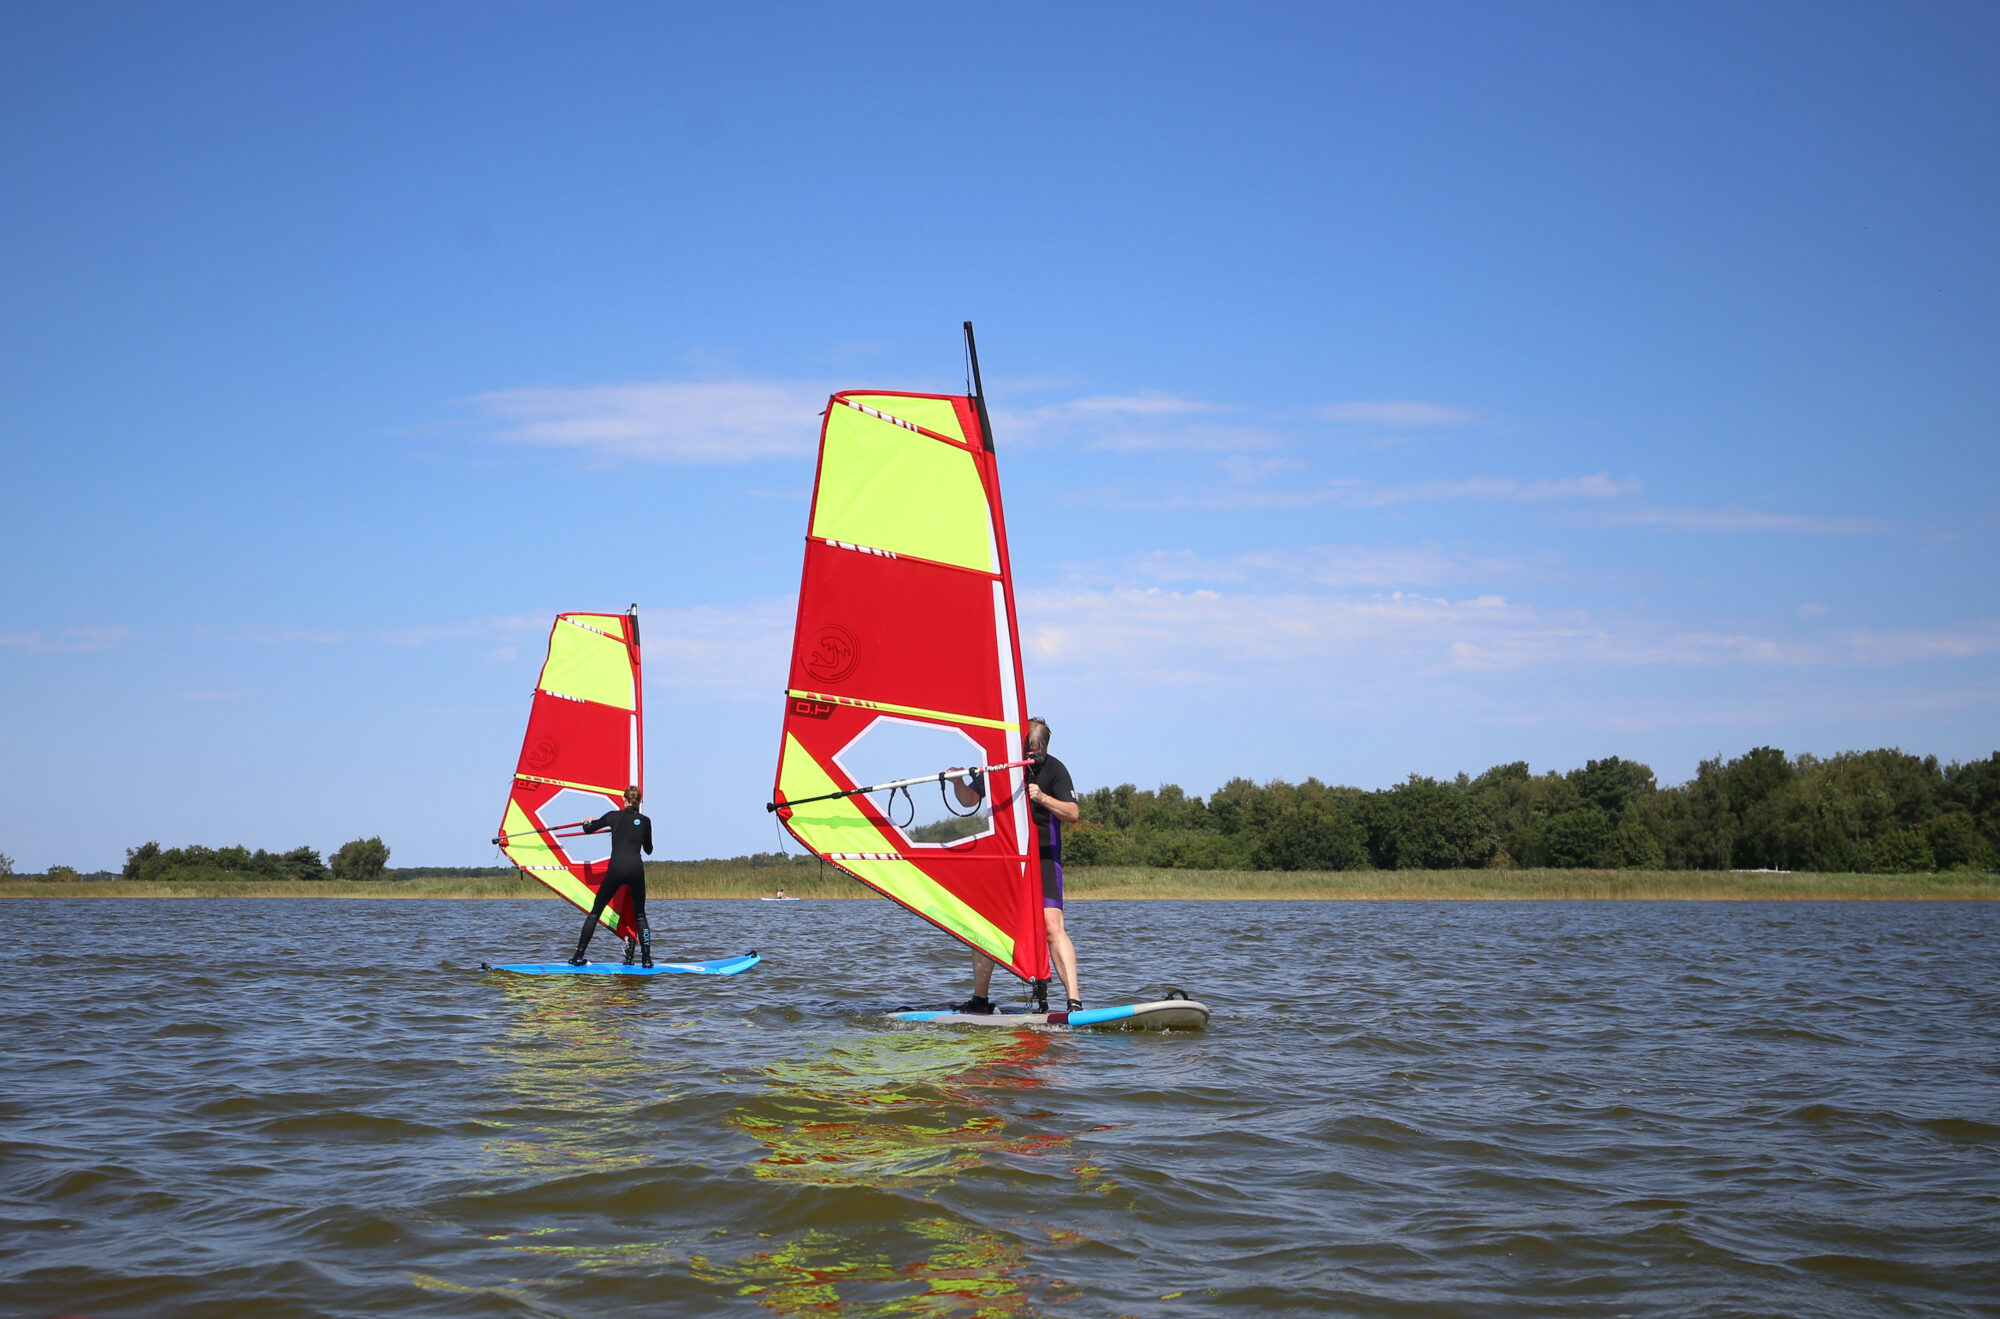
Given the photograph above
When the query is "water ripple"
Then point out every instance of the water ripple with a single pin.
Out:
(1400, 1109)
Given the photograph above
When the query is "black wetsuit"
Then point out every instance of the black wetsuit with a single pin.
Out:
(1052, 777)
(631, 833)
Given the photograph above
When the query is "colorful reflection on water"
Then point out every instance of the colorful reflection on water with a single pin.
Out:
(900, 1115)
(573, 1071)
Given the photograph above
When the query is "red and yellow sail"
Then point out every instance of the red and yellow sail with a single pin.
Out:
(583, 747)
(906, 616)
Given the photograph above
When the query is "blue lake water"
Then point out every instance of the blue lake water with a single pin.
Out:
(322, 1107)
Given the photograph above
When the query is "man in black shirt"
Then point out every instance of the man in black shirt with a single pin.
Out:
(1052, 797)
(630, 833)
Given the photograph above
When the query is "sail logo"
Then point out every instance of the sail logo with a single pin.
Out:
(832, 656)
(541, 753)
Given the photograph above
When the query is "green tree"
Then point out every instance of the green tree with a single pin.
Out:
(1422, 824)
(1974, 788)
(1326, 835)
(1611, 784)
(1638, 847)
(1693, 823)
(1583, 837)
(1749, 782)
(1899, 852)
(1091, 843)
(302, 863)
(1955, 843)
(61, 875)
(6, 864)
(361, 860)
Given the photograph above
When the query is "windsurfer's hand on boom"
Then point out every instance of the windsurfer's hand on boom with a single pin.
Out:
(1066, 811)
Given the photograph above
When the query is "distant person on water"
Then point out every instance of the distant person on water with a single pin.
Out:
(1052, 797)
(631, 833)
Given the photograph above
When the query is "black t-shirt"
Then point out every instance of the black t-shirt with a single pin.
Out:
(1052, 777)
(630, 832)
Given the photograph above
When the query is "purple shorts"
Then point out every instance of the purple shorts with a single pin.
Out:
(1052, 884)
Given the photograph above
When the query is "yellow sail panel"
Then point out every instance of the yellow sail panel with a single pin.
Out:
(525, 848)
(892, 489)
(838, 826)
(589, 666)
(933, 414)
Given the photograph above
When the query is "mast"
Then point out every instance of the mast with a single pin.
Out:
(978, 388)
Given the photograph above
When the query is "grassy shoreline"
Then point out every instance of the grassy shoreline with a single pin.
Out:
(705, 880)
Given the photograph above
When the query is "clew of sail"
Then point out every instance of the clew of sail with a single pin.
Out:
(906, 619)
(583, 747)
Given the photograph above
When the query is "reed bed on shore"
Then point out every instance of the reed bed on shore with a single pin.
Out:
(1140, 882)
(710, 879)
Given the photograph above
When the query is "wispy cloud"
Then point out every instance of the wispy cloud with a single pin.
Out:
(1350, 493)
(1229, 637)
(665, 421)
(1741, 520)
(720, 652)
(1396, 412)
(1145, 422)
(1914, 645)
(1379, 567)
(1597, 485)
(68, 639)
(705, 652)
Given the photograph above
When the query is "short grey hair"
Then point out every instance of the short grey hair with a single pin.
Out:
(1038, 733)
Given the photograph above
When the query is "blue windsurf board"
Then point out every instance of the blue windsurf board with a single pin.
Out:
(725, 966)
(1163, 1014)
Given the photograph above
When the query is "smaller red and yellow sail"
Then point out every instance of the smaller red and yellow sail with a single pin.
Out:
(583, 747)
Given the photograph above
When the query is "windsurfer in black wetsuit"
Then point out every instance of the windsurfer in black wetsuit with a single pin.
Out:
(631, 833)
(1052, 797)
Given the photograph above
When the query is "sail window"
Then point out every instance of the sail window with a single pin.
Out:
(891, 748)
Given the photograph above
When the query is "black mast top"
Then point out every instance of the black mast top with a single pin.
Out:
(978, 387)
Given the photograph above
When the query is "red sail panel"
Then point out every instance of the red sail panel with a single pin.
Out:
(906, 636)
(583, 746)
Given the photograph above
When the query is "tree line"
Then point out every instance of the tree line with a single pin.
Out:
(359, 860)
(1879, 811)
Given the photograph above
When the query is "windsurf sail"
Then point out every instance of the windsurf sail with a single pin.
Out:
(583, 747)
(907, 645)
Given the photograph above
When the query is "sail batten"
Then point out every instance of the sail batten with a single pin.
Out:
(585, 738)
(906, 622)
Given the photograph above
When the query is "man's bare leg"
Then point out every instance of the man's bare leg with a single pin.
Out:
(1062, 952)
(982, 974)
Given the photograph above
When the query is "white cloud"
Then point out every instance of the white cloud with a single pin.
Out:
(739, 652)
(1382, 567)
(1597, 485)
(666, 421)
(1741, 520)
(1130, 634)
(69, 639)
(1396, 412)
(1351, 493)
(1915, 645)
(707, 652)
(1147, 403)
(1146, 422)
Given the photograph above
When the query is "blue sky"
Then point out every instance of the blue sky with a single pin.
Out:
(1379, 389)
